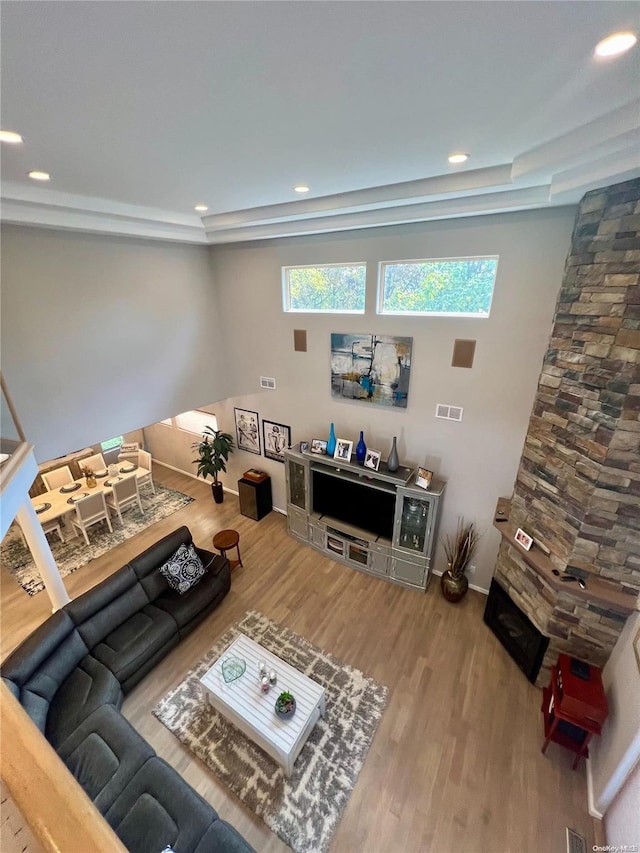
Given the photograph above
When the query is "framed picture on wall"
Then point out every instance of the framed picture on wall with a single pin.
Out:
(247, 430)
(277, 439)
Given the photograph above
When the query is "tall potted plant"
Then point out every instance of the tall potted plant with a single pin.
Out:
(459, 550)
(213, 454)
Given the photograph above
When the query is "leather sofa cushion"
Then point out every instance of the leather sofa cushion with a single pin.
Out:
(102, 609)
(222, 838)
(40, 666)
(89, 686)
(146, 565)
(104, 754)
(127, 649)
(184, 608)
(39, 645)
(157, 809)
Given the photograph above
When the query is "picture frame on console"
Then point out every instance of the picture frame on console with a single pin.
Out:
(424, 478)
(343, 450)
(304, 447)
(372, 459)
(318, 446)
(247, 430)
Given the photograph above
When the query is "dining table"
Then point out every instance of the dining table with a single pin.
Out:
(59, 502)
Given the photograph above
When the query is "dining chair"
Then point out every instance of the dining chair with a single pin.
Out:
(95, 462)
(125, 493)
(89, 511)
(145, 461)
(56, 478)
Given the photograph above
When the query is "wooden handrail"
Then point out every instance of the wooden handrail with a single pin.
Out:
(59, 813)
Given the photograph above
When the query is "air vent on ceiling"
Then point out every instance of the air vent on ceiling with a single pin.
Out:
(268, 382)
(449, 413)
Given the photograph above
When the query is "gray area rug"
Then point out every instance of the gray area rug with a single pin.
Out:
(75, 552)
(306, 809)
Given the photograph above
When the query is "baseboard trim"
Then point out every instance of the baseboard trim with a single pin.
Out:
(471, 585)
(593, 811)
(195, 477)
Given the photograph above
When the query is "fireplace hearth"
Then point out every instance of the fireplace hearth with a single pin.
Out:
(519, 636)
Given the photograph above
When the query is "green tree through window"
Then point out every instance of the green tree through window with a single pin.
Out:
(326, 288)
(458, 286)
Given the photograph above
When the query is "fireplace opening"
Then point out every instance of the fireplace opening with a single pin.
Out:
(519, 636)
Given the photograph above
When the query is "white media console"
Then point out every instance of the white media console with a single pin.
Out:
(375, 521)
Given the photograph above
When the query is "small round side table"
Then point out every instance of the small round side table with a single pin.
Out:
(224, 540)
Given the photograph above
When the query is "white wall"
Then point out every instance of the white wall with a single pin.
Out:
(101, 335)
(614, 754)
(622, 822)
(479, 457)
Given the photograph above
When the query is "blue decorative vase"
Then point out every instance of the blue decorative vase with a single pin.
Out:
(331, 441)
(361, 449)
(393, 463)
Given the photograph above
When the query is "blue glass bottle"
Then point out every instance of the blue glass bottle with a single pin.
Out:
(361, 449)
(331, 441)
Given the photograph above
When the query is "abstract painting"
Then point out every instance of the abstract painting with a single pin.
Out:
(371, 368)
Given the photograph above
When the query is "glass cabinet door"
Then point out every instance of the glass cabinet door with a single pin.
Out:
(297, 483)
(413, 524)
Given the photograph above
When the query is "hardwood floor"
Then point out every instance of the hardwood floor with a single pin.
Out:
(456, 762)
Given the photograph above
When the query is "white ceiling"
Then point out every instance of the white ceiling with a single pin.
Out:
(139, 110)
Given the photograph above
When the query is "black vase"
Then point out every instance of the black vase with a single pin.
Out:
(218, 492)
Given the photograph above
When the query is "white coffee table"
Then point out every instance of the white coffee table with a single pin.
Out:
(243, 703)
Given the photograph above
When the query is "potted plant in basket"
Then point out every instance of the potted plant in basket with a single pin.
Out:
(459, 550)
(213, 454)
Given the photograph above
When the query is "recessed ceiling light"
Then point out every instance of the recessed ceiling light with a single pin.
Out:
(201, 208)
(39, 176)
(458, 158)
(302, 188)
(615, 44)
(10, 136)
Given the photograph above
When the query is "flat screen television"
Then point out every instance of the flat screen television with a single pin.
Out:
(355, 503)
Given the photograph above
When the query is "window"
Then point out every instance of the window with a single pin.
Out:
(112, 442)
(445, 286)
(336, 288)
(195, 421)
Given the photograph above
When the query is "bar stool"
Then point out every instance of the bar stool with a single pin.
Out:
(224, 540)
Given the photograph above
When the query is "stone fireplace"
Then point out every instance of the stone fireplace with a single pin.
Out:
(577, 490)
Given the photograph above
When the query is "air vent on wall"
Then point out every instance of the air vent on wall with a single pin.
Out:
(268, 382)
(449, 413)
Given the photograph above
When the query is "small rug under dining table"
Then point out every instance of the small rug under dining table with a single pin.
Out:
(74, 552)
(304, 810)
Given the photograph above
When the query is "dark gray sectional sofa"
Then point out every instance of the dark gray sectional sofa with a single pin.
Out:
(71, 676)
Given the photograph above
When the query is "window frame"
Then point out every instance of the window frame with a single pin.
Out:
(459, 314)
(209, 416)
(286, 295)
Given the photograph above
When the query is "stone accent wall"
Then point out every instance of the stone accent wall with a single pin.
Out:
(578, 485)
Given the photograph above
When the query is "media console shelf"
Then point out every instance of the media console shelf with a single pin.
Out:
(375, 521)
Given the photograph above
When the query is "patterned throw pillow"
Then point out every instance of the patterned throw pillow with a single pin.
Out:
(183, 569)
